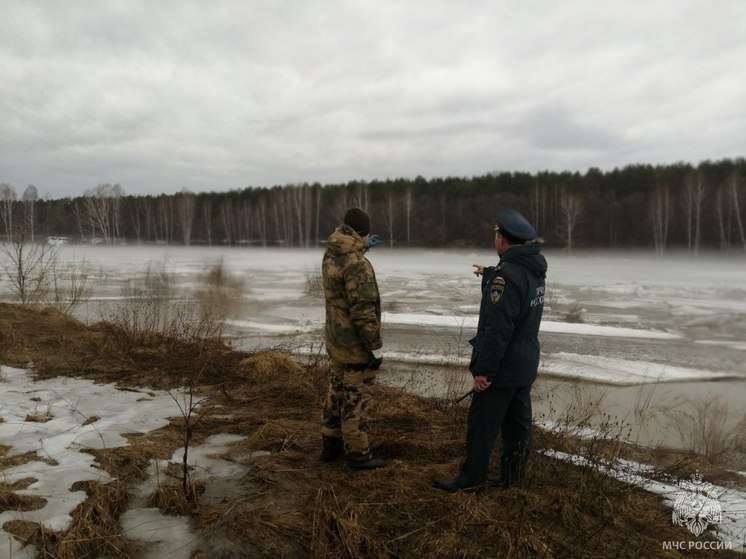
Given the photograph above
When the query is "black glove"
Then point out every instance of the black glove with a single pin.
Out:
(374, 363)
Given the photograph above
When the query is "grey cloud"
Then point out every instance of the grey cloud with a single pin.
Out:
(162, 95)
(555, 129)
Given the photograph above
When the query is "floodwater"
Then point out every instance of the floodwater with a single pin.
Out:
(678, 316)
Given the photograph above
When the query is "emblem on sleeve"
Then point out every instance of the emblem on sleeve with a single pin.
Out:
(496, 291)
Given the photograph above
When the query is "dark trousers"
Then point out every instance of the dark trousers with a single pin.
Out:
(505, 410)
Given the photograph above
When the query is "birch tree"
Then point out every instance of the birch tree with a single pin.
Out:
(30, 196)
(660, 214)
(7, 197)
(102, 205)
(389, 216)
(733, 183)
(694, 195)
(571, 210)
(207, 218)
(185, 209)
(260, 219)
(408, 210)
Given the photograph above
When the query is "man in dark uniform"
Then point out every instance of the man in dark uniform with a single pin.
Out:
(505, 356)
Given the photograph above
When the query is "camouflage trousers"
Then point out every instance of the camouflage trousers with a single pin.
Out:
(346, 407)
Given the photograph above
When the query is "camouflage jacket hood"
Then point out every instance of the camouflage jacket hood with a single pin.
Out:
(345, 240)
(353, 305)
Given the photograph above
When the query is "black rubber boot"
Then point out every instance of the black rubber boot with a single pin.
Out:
(364, 461)
(497, 481)
(446, 485)
(331, 448)
(514, 479)
(454, 486)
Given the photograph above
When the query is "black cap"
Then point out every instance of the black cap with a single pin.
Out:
(515, 226)
(358, 220)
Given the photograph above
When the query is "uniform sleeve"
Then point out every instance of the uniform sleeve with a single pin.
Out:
(501, 308)
(362, 295)
(486, 276)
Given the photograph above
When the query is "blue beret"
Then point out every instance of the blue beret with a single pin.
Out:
(514, 225)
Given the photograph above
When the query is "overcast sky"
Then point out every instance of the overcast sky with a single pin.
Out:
(159, 96)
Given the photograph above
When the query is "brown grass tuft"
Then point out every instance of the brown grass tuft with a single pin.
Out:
(268, 365)
(10, 500)
(170, 499)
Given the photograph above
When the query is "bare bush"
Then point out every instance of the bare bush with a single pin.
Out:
(703, 427)
(28, 266)
(575, 314)
(219, 291)
(150, 310)
(314, 285)
(69, 286)
(144, 312)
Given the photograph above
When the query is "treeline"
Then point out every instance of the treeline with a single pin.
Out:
(661, 207)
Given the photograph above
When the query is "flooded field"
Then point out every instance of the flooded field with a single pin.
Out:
(647, 339)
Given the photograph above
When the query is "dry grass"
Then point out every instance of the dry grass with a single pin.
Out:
(94, 531)
(702, 427)
(10, 500)
(292, 505)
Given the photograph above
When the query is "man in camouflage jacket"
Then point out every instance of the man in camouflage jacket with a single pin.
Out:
(352, 333)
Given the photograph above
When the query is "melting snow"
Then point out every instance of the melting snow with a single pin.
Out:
(67, 404)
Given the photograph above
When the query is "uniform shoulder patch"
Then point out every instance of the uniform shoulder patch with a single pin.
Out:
(496, 290)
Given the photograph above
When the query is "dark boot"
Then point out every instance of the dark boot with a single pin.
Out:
(454, 486)
(446, 485)
(513, 478)
(331, 448)
(364, 461)
(497, 481)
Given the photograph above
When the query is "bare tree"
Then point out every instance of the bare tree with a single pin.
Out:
(165, 214)
(207, 218)
(318, 212)
(297, 196)
(660, 213)
(733, 182)
(27, 265)
(226, 215)
(388, 217)
(694, 195)
(7, 197)
(30, 196)
(571, 211)
(136, 218)
(723, 214)
(150, 228)
(260, 219)
(538, 202)
(361, 196)
(185, 209)
(341, 205)
(78, 213)
(408, 209)
(102, 211)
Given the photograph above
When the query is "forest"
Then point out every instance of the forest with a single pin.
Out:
(664, 207)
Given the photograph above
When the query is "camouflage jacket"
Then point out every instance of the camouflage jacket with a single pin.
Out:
(353, 305)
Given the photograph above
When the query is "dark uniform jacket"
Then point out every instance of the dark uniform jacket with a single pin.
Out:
(506, 347)
(353, 305)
